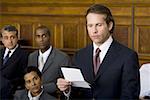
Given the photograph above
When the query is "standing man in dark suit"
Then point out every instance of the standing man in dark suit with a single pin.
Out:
(117, 74)
(13, 61)
(33, 84)
(48, 59)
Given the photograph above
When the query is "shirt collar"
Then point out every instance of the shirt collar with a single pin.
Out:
(46, 53)
(12, 50)
(36, 97)
(104, 47)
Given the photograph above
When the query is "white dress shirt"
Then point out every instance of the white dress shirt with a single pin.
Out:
(45, 56)
(34, 98)
(12, 51)
(104, 48)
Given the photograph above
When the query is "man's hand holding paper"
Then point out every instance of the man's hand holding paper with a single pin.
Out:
(74, 76)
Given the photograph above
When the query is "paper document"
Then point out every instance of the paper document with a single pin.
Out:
(75, 76)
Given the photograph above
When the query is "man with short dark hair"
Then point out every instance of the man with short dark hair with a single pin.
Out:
(48, 59)
(33, 84)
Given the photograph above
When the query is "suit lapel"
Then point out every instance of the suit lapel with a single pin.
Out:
(25, 96)
(49, 60)
(13, 57)
(89, 72)
(108, 59)
(35, 59)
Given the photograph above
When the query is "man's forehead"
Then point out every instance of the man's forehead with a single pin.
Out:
(94, 16)
(40, 32)
(5, 32)
(30, 75)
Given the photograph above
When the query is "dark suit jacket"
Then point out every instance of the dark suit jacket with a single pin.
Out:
(5, 91)
(12, 72)
(51, 69)
(23, 95)
(117, 77)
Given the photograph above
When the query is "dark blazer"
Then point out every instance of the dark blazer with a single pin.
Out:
(23, 95)
(12, 72)
(117, 77)
(51, 70)
(5, 91)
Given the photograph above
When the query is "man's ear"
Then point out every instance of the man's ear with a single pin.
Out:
(26, 87)
(110, 25)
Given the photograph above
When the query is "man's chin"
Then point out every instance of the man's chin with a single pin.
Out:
(11, 47)
(42, 47)
(36, 91)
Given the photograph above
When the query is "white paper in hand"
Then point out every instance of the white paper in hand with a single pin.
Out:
(75, 76)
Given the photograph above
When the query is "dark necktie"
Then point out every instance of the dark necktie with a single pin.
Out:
(6, 58)
(96, 60)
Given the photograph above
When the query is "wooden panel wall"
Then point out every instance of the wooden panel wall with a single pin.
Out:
(142, 32)
(66, 20)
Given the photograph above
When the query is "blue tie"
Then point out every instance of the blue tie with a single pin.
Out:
(6, 58)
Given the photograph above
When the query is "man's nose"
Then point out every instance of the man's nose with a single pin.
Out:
(95, 29)
(41, 38)
(32, 83)
(9, 40)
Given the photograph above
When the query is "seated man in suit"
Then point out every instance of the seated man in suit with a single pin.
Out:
(33, 84)
(48, 59)
(13, 61)
(111, 68)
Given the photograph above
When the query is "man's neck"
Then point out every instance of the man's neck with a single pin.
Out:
(45, 49)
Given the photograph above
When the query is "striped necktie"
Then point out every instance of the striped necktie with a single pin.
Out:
(6, 58)
(96, 60)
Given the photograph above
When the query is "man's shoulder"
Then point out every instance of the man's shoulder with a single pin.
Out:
(20, 94)
(59, 52)
(1, 49)
(47, 96)
(20, 49)
(34, 53)
(85, 49)
(122, 49)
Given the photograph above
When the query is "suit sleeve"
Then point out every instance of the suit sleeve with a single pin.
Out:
(130, 86)
(51, 87)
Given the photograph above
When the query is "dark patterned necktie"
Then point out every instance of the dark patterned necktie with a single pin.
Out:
(6, 58)
(96, 60)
